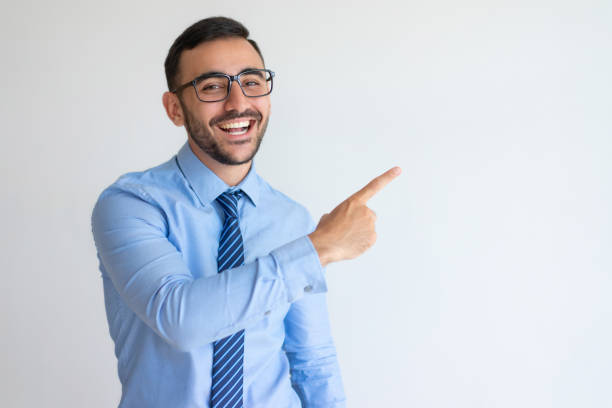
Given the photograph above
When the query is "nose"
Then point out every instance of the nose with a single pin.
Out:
(236, 99)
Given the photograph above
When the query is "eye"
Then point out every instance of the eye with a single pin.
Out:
(210, 87)
(251, 79)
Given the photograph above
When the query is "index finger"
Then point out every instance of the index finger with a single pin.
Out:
(376, 185)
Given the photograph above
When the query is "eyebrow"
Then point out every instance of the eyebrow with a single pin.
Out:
(213, 73)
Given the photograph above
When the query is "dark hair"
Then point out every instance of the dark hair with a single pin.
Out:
(208, 29)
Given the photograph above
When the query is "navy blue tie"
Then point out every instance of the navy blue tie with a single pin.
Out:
(228, 354)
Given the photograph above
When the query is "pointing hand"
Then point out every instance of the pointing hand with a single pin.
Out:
(349, 230)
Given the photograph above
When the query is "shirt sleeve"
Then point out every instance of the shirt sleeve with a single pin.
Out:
(315, 372)
(152, 278)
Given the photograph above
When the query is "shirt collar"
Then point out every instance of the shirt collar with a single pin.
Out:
(207, 185)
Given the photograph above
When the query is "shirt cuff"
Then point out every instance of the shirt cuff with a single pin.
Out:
(299, 265)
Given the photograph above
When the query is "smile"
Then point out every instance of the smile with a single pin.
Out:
(237, 127)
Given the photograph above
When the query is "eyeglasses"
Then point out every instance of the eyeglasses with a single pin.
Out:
(216, 87)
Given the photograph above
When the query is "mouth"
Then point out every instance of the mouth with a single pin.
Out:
(237, 127)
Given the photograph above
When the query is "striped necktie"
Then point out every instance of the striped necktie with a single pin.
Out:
(228, 354)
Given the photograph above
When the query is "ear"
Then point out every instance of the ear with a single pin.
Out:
(173, 107)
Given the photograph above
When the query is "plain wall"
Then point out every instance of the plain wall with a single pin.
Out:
(490, 282)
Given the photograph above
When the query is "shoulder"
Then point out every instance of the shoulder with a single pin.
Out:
(144, 194)
(157, 185)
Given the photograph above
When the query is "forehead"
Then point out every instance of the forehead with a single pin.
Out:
(228, 55)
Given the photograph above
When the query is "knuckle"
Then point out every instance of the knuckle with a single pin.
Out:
(353, 207)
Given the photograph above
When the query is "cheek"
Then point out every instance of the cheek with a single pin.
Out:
(207, 112)
(264, 107)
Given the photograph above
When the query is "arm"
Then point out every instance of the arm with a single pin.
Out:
(150, 275)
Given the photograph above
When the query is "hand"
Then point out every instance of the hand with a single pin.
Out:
(349, 230)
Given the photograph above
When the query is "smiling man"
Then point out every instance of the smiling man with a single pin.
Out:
(214, 281)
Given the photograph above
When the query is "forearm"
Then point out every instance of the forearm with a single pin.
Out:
(192, 312)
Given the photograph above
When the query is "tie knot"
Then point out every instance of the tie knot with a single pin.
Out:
(229, 202)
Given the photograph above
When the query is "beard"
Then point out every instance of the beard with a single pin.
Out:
(205, 139)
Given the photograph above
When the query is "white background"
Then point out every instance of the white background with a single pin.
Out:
(490, 282)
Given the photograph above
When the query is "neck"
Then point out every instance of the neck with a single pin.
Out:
(232, 175)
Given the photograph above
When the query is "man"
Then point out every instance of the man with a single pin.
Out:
(213, 281)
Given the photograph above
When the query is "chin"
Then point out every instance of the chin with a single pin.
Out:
(232, 157)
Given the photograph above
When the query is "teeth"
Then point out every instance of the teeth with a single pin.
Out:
(234, 125)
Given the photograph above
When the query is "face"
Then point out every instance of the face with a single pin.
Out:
(229, 131)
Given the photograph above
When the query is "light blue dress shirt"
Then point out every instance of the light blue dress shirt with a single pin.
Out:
(157, 235)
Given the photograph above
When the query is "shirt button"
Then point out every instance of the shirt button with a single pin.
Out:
(267, 313)
(308, 288)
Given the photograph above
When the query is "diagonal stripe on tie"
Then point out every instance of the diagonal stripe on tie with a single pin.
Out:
(228, 353)
(228, 363)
